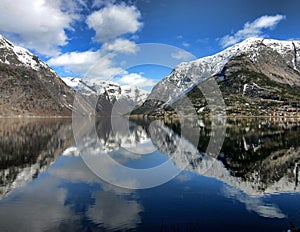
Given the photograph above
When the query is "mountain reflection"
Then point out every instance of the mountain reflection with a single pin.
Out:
(264, 153)
(28, 147)
(258, 157)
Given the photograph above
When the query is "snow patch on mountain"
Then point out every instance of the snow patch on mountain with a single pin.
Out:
(211, 65)
(24, 57)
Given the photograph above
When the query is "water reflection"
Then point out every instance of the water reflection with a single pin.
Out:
(254, 203)
(47, 186)
(259, 156)
(102, 204)
(69, 199)
(28, 147)
(263, 153)
(133, 138)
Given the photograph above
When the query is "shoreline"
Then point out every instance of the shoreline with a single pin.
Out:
(33, 116)
(220, 116)
(147, 117)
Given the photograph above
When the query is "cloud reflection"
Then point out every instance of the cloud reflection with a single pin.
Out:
(254, 204)
(114, 212)
(113, 208)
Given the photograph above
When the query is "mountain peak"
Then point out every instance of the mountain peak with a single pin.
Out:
(19, 56)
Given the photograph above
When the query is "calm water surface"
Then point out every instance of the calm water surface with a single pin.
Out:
(251, 185)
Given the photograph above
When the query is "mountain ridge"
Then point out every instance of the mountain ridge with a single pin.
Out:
(274, 64)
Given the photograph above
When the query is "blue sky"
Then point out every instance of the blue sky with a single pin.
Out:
(83, 38)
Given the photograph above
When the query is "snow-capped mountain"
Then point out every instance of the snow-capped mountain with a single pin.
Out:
(264, 65)
(108, 92)
(114, 90)
(15, 55)
(29, 86)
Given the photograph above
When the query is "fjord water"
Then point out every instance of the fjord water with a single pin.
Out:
(252, 185)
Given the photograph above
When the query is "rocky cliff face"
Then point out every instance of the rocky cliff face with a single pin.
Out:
(256, 76)
(29, 86)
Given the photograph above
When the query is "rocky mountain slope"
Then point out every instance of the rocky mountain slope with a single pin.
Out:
(29, 86)
(107, 93)
(256, 77)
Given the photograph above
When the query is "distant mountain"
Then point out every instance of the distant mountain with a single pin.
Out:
(28, 86)
(107, 93)
(256, 77)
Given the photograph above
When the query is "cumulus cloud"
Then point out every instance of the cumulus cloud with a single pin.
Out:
(96, 64)
(89, 63)
(136, 79)
(121, 45)
(182, 55)
(252, 29)
(39, 25)
(113, 21)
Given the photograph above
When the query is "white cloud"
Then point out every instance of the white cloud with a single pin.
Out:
(185, 44)
(39, 25)
(179, 37)
(113, 21)
(101, 3)
(135, 79)
(252, 29)
(121, 45)
(88, 63)
(182, 55)
(75, 58)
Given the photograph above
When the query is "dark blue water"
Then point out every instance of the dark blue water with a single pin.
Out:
(251, 186)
